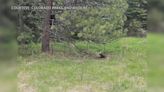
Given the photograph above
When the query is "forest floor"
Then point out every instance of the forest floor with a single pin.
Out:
(124, 70)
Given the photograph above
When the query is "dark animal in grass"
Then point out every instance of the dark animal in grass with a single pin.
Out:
(102, 55)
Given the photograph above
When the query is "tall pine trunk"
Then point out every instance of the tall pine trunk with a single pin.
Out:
(46, 29)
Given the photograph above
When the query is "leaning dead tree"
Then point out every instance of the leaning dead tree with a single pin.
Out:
(46, 28)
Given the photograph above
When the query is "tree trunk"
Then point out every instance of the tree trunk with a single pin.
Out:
(46, 29)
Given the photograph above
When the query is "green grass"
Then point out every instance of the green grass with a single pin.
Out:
(123, 71)
(155, 52)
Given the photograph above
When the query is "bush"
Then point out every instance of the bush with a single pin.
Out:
(29, 49)
(96, 23)
(135, 29)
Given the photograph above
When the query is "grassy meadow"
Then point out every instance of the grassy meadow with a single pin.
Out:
(124, 69)
(155, 53)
